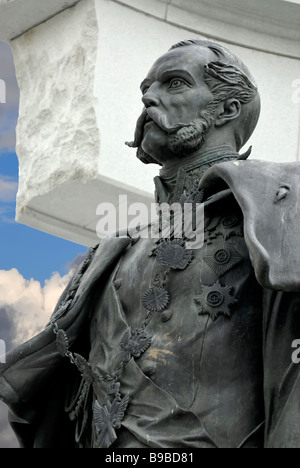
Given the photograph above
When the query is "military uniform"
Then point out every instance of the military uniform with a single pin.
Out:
(212, 365)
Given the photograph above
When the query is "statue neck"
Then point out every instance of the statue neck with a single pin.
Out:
(181, 177)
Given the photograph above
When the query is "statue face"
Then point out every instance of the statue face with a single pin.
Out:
(174, 93)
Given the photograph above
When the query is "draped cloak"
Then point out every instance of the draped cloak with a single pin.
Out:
(34, 379)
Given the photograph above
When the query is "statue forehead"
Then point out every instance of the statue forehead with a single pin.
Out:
(189, 58)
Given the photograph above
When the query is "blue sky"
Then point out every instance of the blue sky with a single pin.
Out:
(35, 267)
(35, 254)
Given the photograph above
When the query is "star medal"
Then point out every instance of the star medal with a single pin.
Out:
(221, 260)
(215, 300)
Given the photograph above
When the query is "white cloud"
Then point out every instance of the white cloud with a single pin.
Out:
(25, 309)
(29, 305)
(8, 189)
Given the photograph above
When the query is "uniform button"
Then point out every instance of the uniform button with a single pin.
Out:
(117, 284)
(165, 315)
(149, 368)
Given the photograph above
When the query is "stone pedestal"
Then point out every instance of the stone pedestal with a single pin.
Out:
(79, 65)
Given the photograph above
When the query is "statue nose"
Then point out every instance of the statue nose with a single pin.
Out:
(149, 99)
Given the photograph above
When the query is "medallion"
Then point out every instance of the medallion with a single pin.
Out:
(135, 343)
(108, 418)
(85, 369)
(173, 254)
(62, 342)
(156, 299)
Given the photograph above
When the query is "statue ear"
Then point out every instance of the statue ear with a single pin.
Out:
(230, 110)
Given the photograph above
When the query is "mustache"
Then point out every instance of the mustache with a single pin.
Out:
(138, 134)
(161, 120)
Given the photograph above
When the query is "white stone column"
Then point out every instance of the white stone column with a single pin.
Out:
(79, 65)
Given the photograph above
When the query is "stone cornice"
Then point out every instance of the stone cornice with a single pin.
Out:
(275, 17)
(18, 16)
(266, 25)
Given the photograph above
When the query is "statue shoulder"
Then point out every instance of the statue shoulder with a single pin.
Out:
(251, 173)
(268, 194)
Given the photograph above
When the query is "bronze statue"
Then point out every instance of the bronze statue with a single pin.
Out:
(156, 345)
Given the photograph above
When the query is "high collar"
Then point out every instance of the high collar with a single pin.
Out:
(174, 181)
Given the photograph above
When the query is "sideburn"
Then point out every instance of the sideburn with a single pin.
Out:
(191, 137)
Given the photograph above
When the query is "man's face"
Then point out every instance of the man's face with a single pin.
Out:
(174, 93)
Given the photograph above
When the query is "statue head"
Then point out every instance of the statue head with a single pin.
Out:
(198, 94)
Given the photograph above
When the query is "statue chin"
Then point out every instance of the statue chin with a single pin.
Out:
(155, 145)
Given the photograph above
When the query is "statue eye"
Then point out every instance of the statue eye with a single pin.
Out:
(176, 83)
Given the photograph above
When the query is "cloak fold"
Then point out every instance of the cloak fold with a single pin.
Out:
(269, 196)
